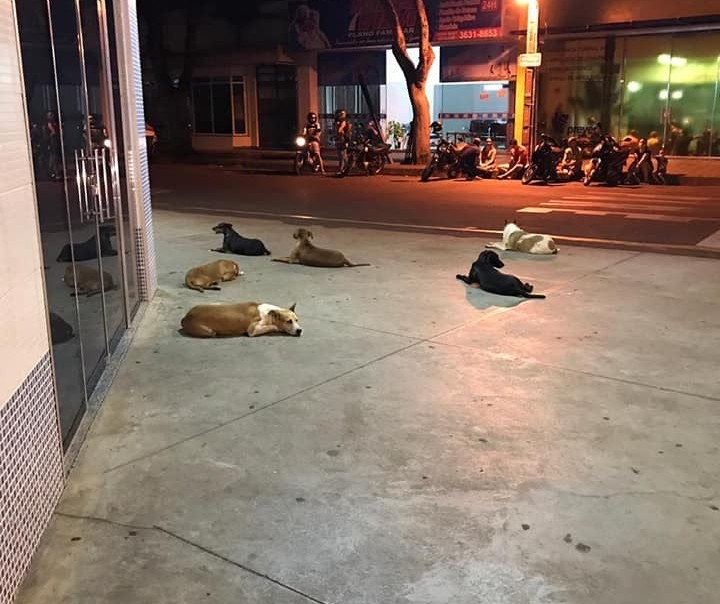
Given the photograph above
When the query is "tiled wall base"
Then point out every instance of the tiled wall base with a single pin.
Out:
(31, 473)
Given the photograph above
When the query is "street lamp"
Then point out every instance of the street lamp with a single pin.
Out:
(525, 83)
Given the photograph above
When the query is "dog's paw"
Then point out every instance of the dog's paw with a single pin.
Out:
(241, 273)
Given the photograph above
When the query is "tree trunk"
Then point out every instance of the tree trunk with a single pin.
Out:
(415, 76)
(421, 123)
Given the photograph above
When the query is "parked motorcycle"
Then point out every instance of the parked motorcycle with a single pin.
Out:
(544, 161)
(607, 164)
(368, 152)
(445, 157)
(305, 158)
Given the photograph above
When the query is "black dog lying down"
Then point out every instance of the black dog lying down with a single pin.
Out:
(87, 250)
(234, 243)
(484, 274)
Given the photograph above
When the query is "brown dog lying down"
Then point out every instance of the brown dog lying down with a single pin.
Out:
(207, 276)
(86, 280)
(251, 318)
(306, 253)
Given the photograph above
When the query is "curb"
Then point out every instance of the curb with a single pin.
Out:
(281, 162)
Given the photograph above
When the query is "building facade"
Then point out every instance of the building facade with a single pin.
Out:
(76, 247)
(642, 67)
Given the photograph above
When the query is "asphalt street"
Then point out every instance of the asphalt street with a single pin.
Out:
(682, 216)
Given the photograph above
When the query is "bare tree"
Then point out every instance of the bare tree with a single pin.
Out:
(415, 77)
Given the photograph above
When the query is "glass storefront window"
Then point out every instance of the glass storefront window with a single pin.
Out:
(662, 87)
(238, 91)
(219, 105)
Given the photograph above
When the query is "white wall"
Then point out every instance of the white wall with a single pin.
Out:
(23, 323)
(398, 101)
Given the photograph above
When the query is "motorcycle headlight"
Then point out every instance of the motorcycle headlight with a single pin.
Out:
(300, 141)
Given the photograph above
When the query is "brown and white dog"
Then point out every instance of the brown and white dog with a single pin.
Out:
(251, 318)
(207, 276)
(306, 253)
(515, 239)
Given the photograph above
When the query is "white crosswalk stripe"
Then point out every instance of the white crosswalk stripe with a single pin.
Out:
(632, 206)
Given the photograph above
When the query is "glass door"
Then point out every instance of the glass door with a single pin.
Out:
(72, 89)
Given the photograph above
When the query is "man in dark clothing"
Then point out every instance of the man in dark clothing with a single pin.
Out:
(469, 159)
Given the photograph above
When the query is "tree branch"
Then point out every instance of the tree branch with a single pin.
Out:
(427, 56)
(399, 46)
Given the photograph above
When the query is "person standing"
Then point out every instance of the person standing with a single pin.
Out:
(343, 134)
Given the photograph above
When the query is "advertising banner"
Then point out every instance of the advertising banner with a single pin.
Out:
(326, 24)
(348, 68)
(478, 62)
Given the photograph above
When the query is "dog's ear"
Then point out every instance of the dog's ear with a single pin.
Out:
(292, 308)
(309, 234)
(273, 314)
(296, 234)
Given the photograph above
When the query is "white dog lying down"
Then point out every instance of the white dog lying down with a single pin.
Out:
(515, 239)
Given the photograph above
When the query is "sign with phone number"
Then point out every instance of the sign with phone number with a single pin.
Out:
(327, 24)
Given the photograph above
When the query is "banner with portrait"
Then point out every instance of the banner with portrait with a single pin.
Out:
(326, 24)
(478, 62)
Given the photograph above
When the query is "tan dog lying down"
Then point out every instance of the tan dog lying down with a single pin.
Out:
(515, 239)
(251, 318)
(306, 253)
(207, 276)
(86, 281)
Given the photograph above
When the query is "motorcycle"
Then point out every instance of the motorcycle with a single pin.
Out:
(369, 153)
(543, 163)
(445, 158)
(607, 164)
(304, 157)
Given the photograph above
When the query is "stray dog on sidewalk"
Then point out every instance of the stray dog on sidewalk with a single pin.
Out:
(251, 318)
(306, 253)
(234, 243)
(515, 239)
(484, 274)
(207, 276)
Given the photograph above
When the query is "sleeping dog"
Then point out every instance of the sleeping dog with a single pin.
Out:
(484, 274)
(515, 239)
(244, 318)
(87, 250)
(234, 243)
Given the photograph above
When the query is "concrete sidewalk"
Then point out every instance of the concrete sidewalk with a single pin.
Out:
(420, 443)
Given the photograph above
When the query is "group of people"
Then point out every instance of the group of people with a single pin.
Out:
(342, 134)
(482, 162)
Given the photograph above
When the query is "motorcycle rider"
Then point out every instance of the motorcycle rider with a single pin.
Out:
(469, 159)
(518, 161)
(486, 168)
(312, 132)
(571, 163)
(343, 136)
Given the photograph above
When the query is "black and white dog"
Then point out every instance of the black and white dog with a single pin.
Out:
(484, 274)
(87, 250)
(234, 243)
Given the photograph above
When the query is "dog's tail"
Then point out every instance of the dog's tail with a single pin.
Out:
(528, 295)
(463, 278)
(361, 264)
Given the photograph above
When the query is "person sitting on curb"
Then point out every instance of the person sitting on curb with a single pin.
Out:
(469, 159)
(518, 161)
(571, 163)
(487, 167)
